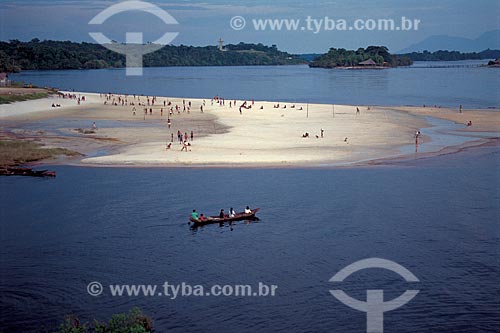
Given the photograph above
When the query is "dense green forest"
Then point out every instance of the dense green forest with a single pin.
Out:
(36, 55)
(39, 55)
(346, 58)
(452, 55)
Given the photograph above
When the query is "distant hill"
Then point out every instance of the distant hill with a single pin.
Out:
(49, 55)
(488, 40)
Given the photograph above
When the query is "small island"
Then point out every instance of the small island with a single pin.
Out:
(373, 57)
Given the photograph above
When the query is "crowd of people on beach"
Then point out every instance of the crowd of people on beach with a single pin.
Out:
(79, 99)
(183, 139)
(151, 106)
(321, 134)
(277, 106)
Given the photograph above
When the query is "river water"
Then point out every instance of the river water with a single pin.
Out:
(437, 217)
(431, 83)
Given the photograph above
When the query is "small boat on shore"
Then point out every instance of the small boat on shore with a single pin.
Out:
(216, 219)
(26, 172)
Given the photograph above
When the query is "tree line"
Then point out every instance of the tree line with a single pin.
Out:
(452, 55)
(16, 55)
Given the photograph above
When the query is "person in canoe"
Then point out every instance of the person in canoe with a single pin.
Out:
(221, 214)
(248, 210)
(194, 214)
(202, 217)
(232, 213)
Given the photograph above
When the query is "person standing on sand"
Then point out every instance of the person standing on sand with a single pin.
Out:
(185, 146)
(171, 137)
(192, 136)
(322, 133)
(169, 123)
(357, 111)
(185, 136)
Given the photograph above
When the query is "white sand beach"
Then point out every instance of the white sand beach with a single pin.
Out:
(263, 135)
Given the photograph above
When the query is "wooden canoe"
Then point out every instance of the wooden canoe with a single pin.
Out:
(215, 219)
(26, 172)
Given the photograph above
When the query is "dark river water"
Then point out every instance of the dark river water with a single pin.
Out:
(438, 218)
(432, 83)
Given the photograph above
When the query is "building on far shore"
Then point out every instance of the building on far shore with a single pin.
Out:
(368, 62)
(221, 45)
(4, 80)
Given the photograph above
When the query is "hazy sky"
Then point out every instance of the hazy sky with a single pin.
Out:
(203, 22)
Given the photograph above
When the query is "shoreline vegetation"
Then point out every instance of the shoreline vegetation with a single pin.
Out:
(16, 56)
(147, 131)
(135, 321)
(58, 55)
(15, 153)
(16, 93)
(452, 55)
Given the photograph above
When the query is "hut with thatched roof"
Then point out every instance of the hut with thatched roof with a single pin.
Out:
(368, 62)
